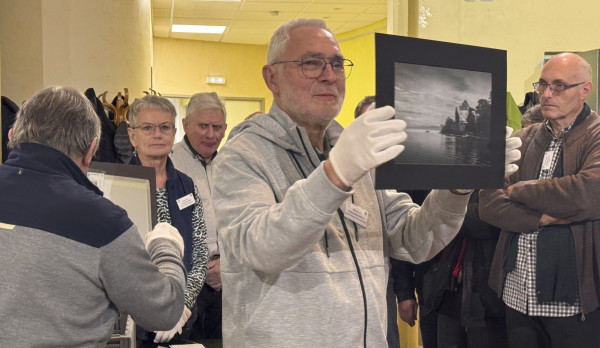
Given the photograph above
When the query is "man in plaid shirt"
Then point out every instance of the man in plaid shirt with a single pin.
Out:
(546, 267)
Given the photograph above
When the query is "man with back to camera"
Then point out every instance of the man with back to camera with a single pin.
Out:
(204, 126)
(547, 261)
(69, 258)
(300, 223)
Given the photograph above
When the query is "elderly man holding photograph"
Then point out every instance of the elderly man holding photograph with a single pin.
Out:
(301, 227)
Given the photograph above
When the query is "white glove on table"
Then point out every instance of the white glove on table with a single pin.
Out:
(369, 141)
(166, 336)
(512, 153)
(165, 231)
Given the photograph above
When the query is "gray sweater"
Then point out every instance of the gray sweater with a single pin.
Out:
(293, 275)
(70, 259)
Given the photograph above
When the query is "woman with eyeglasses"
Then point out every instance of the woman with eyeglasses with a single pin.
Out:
(152, 134)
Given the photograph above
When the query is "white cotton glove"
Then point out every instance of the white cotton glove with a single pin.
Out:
(165, 231)
(166, 336)
(512, 153)
(372, 139)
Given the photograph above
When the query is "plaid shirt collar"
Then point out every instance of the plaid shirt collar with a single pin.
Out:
(582, 115)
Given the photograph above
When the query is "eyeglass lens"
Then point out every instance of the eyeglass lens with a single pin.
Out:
(148, 128)
(314, 67)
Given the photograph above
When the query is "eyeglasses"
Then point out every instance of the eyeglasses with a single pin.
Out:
(148, 128)
(555, 87)
(313, 67)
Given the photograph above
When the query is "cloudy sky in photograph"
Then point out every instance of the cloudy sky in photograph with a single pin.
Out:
(426, 95)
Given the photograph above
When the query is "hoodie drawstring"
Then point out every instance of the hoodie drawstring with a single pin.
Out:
(291, 154)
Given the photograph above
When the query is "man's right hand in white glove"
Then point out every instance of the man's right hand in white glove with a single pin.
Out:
(371, 140)
(166, 336)
(164, 230)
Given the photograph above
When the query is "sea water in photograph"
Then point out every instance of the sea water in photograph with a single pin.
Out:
(448, 114)
(429, 146)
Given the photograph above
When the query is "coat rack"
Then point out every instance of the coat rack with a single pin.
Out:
(121, 108)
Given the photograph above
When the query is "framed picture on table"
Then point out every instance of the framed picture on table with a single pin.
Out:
(453, 99)
(131, 187)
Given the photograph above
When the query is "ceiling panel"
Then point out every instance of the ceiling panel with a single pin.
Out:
(161, 4)
(257, 17)
(336, 8)
(330, 17)
(161, 13)
(253, 21)
(165, 21)
(269, 6)
(279, 1)
(192, 36)
(250, 25)
(219, 10)
(201, 21)
(352, 26)
(380, 9)
(197, 7)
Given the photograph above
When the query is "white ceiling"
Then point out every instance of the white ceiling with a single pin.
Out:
(253, 21)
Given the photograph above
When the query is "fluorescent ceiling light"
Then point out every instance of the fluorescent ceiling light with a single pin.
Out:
(199, 29)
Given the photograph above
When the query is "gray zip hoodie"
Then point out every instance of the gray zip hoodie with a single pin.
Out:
(296, 271)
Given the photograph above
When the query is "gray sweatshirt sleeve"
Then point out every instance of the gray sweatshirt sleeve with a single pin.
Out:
(149, 286)
(250, 216)
(416, 233)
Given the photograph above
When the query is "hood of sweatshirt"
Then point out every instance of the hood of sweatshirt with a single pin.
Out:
(279, 128)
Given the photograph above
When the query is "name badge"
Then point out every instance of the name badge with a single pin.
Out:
(186, 201)
(547, 162)
(356, 214)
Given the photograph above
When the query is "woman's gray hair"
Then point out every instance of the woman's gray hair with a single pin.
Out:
(58, 117)
(532, 115)
(205, 101)
(281, 36)
(368, 100)
(150, 101)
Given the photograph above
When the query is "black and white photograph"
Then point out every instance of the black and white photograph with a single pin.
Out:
(453, 99)
(448, 114)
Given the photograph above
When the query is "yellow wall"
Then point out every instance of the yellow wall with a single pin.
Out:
(525, 29)
(359, 46)
(22, 56)
(181, 67)
(104, 44)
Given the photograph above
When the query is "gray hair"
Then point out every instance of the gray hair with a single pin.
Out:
(58, 117)
(205, 101)
(281, 36)
(532, 115)
(150, 101)
(368, 100)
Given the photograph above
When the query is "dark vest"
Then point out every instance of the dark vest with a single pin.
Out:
(179, 185)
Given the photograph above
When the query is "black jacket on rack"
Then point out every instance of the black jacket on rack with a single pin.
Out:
(106, 147)
(8, 116)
